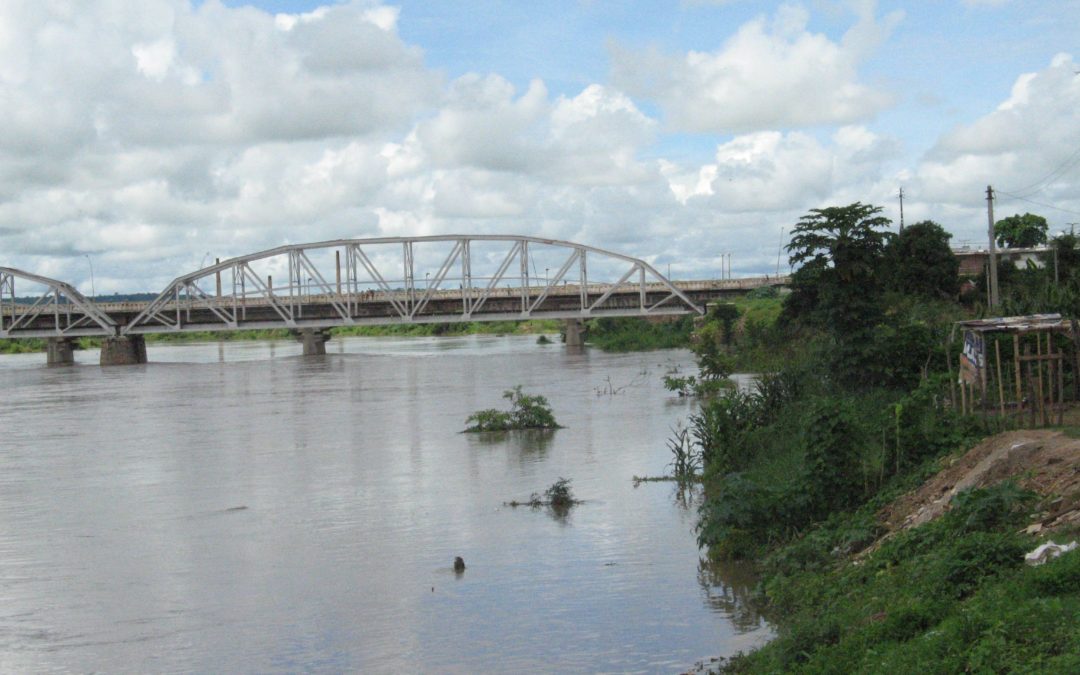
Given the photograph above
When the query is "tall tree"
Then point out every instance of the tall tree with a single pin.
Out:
(922, 263)
(1021, 231)
(840, 251)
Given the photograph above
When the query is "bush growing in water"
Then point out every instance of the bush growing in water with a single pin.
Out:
(559, 494)
(559, 497)
(527, 411)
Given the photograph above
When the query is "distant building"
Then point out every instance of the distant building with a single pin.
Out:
(973, 260)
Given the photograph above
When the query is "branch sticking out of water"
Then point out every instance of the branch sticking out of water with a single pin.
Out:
(558, 496)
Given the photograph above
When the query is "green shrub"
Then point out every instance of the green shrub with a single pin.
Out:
(963, 563)
(559, 494)
(993, 508)
(721, 427)
(833, 478)
(490, 420)
(636, 334)
(526, 412)
(1058, 576)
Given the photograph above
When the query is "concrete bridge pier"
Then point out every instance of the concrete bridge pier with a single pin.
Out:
(60, 351)
(575, 333)
(314, 341)
(128, 350)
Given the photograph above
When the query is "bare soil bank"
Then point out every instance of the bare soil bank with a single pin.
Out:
(1045, 461)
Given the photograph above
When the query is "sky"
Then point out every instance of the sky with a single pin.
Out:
(142, 139)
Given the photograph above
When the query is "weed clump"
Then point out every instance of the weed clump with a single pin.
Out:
(527, 411)
(558, 496)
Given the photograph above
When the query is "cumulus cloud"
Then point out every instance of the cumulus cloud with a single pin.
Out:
(1026, 147)
(158, 137)
(773, 73)
(174, 123)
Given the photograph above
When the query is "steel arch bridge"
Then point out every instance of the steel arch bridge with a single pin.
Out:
(352, 282)
(402, 280)
(58, 310)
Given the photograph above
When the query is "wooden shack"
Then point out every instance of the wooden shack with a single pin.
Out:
(1027, 382)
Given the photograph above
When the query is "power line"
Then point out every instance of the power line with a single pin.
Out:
(1032, 201)
(1072, 160)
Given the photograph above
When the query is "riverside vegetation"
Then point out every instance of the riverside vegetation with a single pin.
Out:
(853, 411)
(529, 327)
(527, 411)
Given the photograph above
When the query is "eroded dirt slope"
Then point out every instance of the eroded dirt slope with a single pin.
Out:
(1045, 461)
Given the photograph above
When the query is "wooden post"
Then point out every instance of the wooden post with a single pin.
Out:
(984, 399)
(1030, 387)
(1039, 368)
(1016, 363)
(1050, 379)
(1061, 389)
(963, 397)
(1075, 335)
(1001, 383)
(948, 362)
(1039, 377)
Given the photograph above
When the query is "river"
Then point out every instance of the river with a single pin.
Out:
(236, 507)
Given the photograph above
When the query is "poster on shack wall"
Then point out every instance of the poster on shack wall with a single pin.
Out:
(971, 358)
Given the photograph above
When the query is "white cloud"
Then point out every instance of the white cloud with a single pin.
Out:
(774, 171)
(1031, 134)
(152, 136)
(770, 74)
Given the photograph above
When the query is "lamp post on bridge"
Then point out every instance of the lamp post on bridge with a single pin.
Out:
(93, 290)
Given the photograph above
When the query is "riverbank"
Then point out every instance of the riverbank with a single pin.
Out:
(889, 529)
(531, 327)
(934, 580)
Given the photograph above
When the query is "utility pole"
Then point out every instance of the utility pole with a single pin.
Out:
(994, 300)
(901, 209)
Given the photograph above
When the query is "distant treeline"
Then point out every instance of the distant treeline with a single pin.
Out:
(114, 297)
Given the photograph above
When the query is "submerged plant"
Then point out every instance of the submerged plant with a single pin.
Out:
(559, 494)
(527, 411)
(559, 497)
(685, 458)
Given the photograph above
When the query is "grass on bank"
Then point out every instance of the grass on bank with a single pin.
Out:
(950, 596)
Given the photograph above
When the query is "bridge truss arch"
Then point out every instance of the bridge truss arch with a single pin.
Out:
(47, 308)
(425, 279)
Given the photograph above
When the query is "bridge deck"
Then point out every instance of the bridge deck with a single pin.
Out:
(323, 310)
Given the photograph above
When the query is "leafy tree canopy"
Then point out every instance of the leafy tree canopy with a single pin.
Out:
(1021, 231)
(922, 263)
(839, 284)
(849, 239)
(839, 250)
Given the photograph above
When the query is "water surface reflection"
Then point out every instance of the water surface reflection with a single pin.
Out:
(222, 510)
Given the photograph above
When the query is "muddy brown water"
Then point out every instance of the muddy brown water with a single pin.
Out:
(236, 507)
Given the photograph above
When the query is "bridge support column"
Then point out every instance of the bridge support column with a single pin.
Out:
(60, 352)
(314, 341)
(123, 351)
(575, 333)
